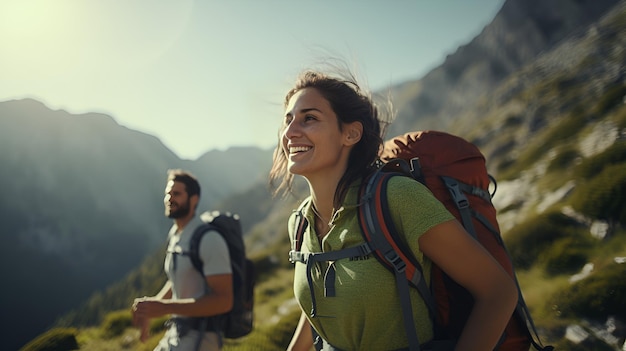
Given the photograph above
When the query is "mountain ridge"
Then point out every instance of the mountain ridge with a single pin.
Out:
(519, 31)
(86, 201)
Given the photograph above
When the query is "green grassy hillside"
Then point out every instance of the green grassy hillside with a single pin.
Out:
(548, 247)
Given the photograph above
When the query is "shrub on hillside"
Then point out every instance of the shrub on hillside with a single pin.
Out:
(566, 255)
(513, 120)
(614, 96)
(597, 297)
(563, 160)
(503, 169)
(557, 133)
(57, 339)
(267, 336)
(621, 117)
(591, 344)
(115, 323)
(592, 166)
(528, 240)
(604, 196)
(564, 129)
(266, 264)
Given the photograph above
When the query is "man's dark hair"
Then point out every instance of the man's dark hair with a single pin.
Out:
(191, 183)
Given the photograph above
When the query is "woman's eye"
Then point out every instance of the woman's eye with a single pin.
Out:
(309, 118)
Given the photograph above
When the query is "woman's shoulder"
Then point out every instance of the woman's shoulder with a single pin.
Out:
(404, 190)
(412, 200)
(404, 184)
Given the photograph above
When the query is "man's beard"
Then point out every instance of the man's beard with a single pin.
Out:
(182, 211)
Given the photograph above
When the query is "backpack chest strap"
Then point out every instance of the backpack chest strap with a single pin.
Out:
(310, 258)
(304, 257)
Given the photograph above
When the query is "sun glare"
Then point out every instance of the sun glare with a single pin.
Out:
(34, 36)
(41, 38)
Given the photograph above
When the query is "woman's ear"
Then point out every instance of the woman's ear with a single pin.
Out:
(353, 133)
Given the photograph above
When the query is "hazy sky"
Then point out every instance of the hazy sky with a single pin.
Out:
(203, 75)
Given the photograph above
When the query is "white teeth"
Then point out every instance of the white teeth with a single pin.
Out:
(295, 149)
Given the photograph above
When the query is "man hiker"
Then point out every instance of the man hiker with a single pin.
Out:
(187, 296)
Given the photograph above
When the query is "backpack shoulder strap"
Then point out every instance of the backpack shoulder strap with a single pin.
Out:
(389, 247)
(377, 228)
(194, 246)
(300, 224)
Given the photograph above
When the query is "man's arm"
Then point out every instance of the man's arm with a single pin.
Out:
(166, 291)
(144, 322)
(219, 301)
(216, 259)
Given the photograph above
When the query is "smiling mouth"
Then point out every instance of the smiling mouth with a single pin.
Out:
(298, 149)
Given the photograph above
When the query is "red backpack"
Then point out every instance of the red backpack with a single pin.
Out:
(454, 170)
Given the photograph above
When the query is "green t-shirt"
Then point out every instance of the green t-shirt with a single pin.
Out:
(365, 313)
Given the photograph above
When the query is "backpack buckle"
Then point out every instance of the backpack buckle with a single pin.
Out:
(455, 192)
(395, 260)
(297, 256)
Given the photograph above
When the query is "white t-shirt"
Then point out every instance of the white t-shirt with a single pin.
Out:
(213, 251)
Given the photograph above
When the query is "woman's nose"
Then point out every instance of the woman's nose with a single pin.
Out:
(292, 130)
